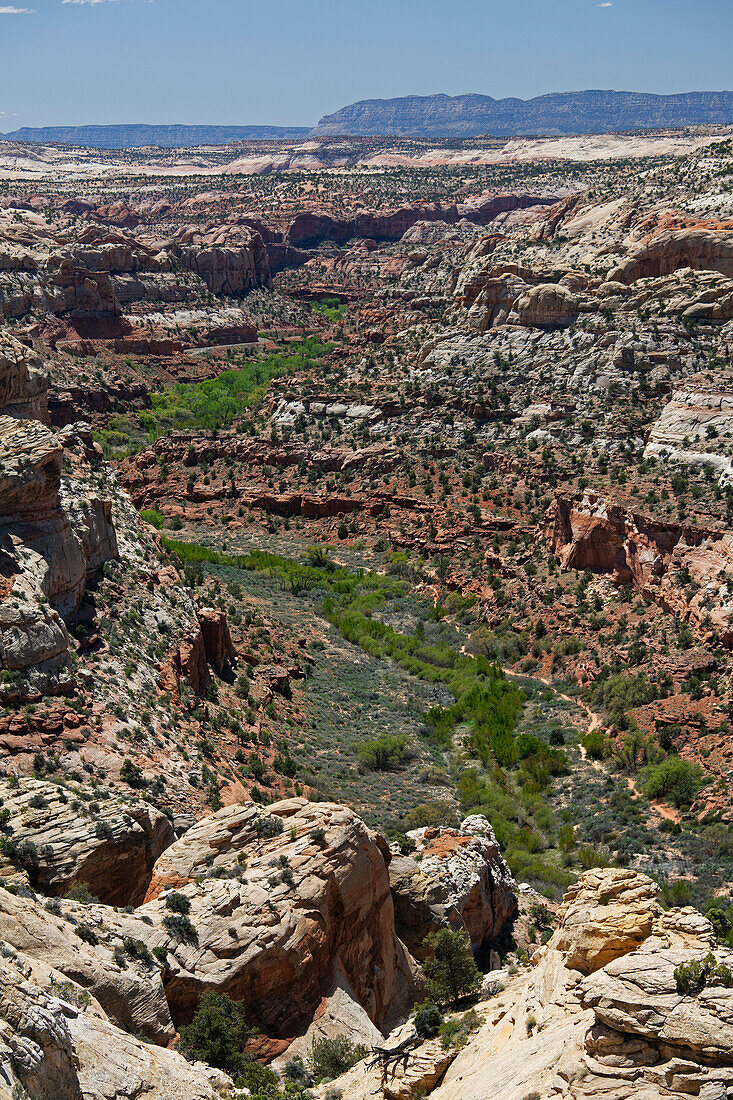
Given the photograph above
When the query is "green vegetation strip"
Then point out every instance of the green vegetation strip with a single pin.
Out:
(210, 405)
(481, 723)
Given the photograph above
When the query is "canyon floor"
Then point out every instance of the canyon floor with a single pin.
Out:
(366, 570)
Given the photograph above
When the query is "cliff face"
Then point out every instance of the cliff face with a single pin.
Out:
(591, 112)
(684, 568)
(166, 137)
(47, 548)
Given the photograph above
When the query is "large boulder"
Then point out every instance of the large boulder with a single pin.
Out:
(605, 915)
(548, 305)
(457, 878)
(288, 903)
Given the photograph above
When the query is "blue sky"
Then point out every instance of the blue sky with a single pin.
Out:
(65, 62)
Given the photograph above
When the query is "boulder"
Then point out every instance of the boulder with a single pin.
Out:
(460, 881)
(548, 305)
(607, 914)
(288, 903)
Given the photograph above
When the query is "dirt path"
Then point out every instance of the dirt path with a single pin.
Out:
(595, 722)
(667, 812)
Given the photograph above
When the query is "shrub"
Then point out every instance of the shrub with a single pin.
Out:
(130, 773)
(451, 970)
(216, 1034)
(427, 1020)
(693, 976)
(178, 903)
(297, 1073)
(330, 1058)
(675, 779)
(84, 932)
(431, 814)
(136, 949)
(179, 926)
(153, 517)
(454, 1033)
(383, 753)
(79, 891)
(596, 744)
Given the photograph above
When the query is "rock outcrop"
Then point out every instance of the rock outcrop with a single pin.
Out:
(296, 903)
(548, 305)
(113, 857)
(623, 1030)
(456, 879)
(695, 428)
(47, 551)
(682, 567)
(23, 381)
(56, 1041)
(93, 946)
(699, 249)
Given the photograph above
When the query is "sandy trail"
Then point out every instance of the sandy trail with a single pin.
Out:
(595, 722)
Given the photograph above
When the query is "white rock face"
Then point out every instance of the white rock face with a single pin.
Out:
(456, 878)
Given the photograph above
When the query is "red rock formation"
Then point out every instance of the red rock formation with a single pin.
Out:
(218, 646)
(685, 569)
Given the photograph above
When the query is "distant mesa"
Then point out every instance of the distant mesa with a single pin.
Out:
(590, 112)
(139, 135)
(429, 117)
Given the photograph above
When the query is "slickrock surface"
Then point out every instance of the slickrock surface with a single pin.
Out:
(623, 1031)
(132, 994)
(456, 878)
(55, 1041)
(112, 854)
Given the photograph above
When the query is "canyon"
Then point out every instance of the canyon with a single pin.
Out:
(366, 593)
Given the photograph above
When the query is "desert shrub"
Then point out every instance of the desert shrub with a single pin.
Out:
(86, 933)
(596, 744)
(451, 970)
(136, 949)
(178, 903)
(130, 773)
(330, 1058)
(427, 1020)
(383, 753)
(431, 815)
(693, 976)
(179, 926)
(675, 779)
(454, 1033)
(296, 1072)
(79, 891)
(216, 1034)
